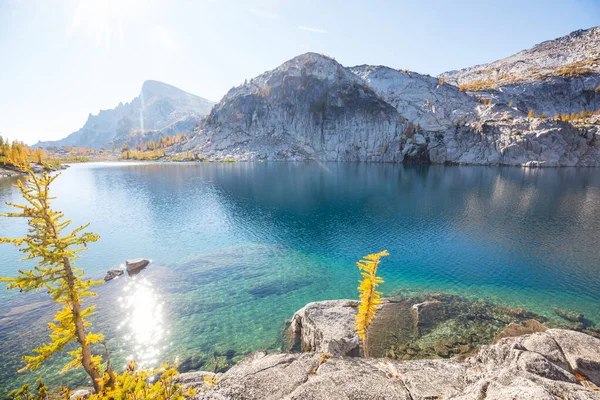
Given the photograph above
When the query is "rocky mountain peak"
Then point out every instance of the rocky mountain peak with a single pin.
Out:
(310, 107)
(160, 109)
(159, 89)
(318, 65)
(306, 66)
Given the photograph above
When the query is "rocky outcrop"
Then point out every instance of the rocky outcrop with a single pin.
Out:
(416, 327)
(556, 364)
(160, 109)
(502, 136)
(309, 108)
(327, 327)
(80, 394)
(6, 173)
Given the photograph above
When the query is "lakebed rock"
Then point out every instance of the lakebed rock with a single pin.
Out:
(543, 365)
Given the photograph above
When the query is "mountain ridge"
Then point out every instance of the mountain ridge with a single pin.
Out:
(159, 108)
(313, 108)
(503, 123)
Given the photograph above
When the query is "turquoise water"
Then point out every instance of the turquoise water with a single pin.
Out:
(237, 248)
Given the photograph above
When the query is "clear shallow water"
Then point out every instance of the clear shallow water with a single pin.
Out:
(237, 248)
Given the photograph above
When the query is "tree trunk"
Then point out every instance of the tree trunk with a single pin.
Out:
(86, 352)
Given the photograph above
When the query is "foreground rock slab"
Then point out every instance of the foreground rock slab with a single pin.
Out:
(556, 364)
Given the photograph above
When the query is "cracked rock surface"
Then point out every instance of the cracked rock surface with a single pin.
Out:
(556, 364)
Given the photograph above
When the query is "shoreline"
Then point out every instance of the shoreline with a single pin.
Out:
(8, 173)
(311, 161)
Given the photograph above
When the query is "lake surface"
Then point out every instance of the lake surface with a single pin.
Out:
(237, 248)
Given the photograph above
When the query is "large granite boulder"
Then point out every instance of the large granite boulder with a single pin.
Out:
(327, 327)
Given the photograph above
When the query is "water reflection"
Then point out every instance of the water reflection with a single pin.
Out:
(142, 326)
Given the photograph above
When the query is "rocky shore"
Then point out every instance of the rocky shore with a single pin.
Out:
(6, 173)
(524, 360)
(9, 171)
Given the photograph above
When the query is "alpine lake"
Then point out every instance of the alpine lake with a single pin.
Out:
(237, 248)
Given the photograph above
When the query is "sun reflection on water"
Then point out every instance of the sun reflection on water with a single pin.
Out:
(143, 323)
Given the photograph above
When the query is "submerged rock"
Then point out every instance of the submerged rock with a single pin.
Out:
(571, 316)
(523, 328)
(135, 265)
(429, 313)
(543, 365)
(112, 274)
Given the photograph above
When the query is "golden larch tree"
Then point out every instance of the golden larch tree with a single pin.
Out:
(54, 253)
(370, 298)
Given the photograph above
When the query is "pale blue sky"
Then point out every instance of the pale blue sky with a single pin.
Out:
(61, 60)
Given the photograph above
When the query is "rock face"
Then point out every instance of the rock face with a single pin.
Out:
(556, 364)
(309, 108)
(159, 109)
(502, 136)
(422, 99)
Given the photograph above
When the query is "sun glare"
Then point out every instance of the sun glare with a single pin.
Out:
(142, 325)
(103, 20)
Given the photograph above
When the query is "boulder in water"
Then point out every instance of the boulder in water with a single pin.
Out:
(135, 265)
(112, 274)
